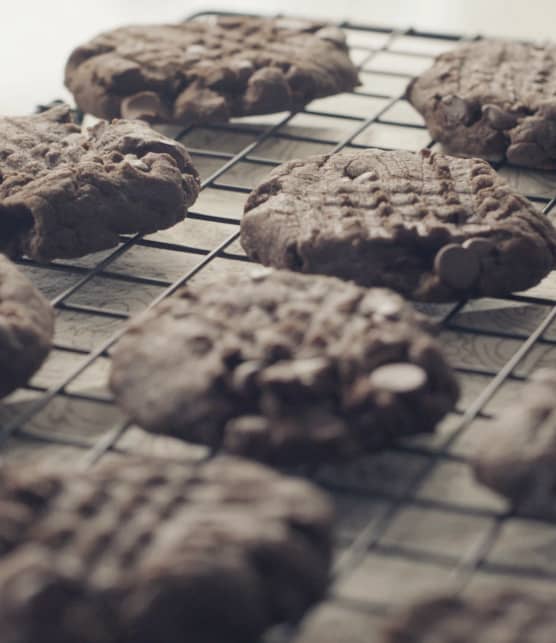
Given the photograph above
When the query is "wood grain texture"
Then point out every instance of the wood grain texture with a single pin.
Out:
(487, 353)
(503, 317)
(331, 623)
(75, 418)
(21, 452)
(437, 533)
(391, 580)
(490, 581)
(454, 483)
(393, 137)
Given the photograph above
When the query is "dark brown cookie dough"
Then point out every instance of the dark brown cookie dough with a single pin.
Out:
(492, 99)
(65, 192)
(517, 454)
(505, 616)
(151, 552)
(433, 227)
(26, 328)
(283, 367)
(204, 71)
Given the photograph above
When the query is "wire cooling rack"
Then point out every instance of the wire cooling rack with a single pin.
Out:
(411, 520)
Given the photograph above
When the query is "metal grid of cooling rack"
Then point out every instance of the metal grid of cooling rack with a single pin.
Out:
(410, 520)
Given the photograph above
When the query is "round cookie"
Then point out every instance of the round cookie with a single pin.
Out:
(502, 616)
(517, 454)
(204, 71)
(67, 191)
(145, 551)
(493, 99)
(282, 367)
(433, 227)
(26, 328)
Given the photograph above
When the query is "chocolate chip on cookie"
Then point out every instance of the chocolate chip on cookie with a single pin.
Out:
(283, 367)
(206, 71)
(494, 99)
(433, 227)
(67, 191)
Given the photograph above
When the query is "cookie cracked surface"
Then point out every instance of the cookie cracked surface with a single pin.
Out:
(283, 367)
(203, 71)
(433, 227)
(494, 99)
(26, 328)
(517, 453)
(67, 191)
(142, 552)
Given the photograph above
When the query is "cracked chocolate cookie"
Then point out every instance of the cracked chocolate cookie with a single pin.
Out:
(433, 227)
(26, 328)
(504, 616)
(203, 71)
(144, 553)
(493, 99)
(67, 191)
(282, 367)
(517, 454)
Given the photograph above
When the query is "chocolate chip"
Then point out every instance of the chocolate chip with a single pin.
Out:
(242, 69)
(258, 274)
(266, 87)
(388, 308)
(332, 34)
(248, 426)
(142, 106)
(196, 50)
(198, 104)
(304, 372)
(399, 377)
(498, 118)
(366, 177)
(244, 376)
(136, 162)
(248, 435)
(456, 110)
(457, 267)
(528, 154)
(480, 246)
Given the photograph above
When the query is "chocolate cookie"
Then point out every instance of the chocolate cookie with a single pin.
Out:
(204, 71)
(145, 553)
(505, 616)
(493, 99)
(26, 328)
(517, 455)
(282, 367)
(433, 227)
(66, 191)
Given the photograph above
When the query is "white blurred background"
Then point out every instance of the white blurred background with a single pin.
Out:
(36, 36)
